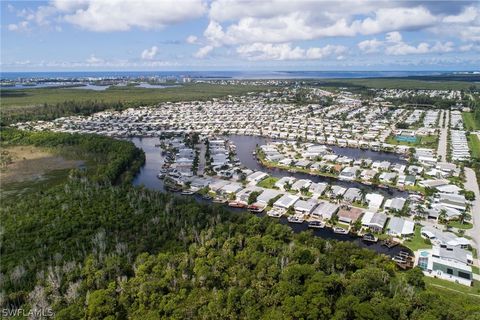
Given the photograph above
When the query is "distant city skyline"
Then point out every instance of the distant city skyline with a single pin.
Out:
(100, 35)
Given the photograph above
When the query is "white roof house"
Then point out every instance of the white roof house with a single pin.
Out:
(325, 210)
(267, 195)
(305, 207)
(281, 183)
(374, 201)
(400, 227)
(256, 176)
(286, 201)
(302, 183)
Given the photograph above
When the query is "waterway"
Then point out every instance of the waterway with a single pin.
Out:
(245, 145)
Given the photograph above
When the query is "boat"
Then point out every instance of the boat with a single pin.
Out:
(316, 224)
(295, 219)
(160, 175)
(219, 200)
(368, 237)
(390, 243)
(340, 230)
(236, 204)
(274, 213)
(207, 197)
(187, 192)
(173, 188)
(255, 209)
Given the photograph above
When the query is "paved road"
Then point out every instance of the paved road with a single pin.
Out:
(471, 184)
(442, 142)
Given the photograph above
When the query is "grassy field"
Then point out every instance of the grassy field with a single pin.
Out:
(399, 83)
(454, 287)
(430, 141)
(417, 242)
(268, 183)
(31, 168)
(470, 122)
(474, 145)
(202, 91)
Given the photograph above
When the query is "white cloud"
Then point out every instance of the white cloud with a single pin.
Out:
(94, 60)
(402, 48)
(192, 39)
(370, 46)
(328, 50)
(203, 52)
(19, 27)
(293, 22)
(149, 54)
(285, 51)
(394, 36)
(122, 15)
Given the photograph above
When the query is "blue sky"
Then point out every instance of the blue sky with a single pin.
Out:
(233, 35)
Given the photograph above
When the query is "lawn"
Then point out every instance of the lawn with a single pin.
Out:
(417, 242)
(474, 145)
(448, 285)
(430, 141)
(268, 183)
(459, 225)
(470, 122)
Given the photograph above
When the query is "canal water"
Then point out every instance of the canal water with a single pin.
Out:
(154, 160)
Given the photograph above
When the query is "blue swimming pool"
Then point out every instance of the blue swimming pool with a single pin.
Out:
(401, 138)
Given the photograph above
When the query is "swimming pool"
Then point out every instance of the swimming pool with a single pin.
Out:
(401, 138)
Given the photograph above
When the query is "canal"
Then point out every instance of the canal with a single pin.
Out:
(154, 160)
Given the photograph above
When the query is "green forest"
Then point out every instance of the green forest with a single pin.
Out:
(96, 247)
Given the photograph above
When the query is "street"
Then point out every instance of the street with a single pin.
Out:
(471, 184)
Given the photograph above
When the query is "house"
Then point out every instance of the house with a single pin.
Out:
(284, 180)
(348, 174)
(231, 188)
(349, 215)
(317, 189)
(400, 227)
(368, 174)
(337, 191)
(301, 184)
(454, 201)
(352, 195)
(441, 238)
(448, 263)
(256, 177)
(305, 207)
(244, 194)
(374, 221)
(286, 201)
(387, 177)
(395, 204)
(405, 180)
(374, 201)
(266, 196)
(325, 210)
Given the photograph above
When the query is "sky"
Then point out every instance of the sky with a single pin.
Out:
(75, 35)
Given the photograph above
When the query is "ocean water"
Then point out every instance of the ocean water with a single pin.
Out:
(218, 74)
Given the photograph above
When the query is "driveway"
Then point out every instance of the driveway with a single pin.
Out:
(442, 141)
(472, 185)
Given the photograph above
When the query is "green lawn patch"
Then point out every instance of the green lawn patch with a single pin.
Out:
(470, 122)
(417, 242)
(459, 225)
(268, 183)
(474, 145)
(452, 286)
